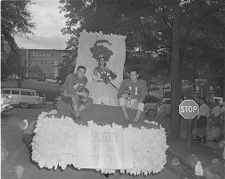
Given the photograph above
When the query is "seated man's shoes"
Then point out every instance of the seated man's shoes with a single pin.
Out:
(126, 123)
(106, 175)
(75, 118)
(135, 124)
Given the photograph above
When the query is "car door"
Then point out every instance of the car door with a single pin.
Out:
(27, 97)
(15, 96)
(35, 97)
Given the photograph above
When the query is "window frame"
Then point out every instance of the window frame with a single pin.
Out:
(15, 90)
(26, 91)
(6, 90)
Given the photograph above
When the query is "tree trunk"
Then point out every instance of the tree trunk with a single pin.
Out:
(223, 78)
(175, 75)
(19, 83)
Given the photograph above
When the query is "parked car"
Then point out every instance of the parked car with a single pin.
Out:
(5, 103)
(165, 106)
(23, 97)
(50, 80)
(151, 105)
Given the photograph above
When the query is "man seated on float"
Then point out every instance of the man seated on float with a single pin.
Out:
(131, 94)
(84, 100)
(69, 91)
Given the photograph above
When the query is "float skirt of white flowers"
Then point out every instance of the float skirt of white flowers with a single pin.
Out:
(59, 141)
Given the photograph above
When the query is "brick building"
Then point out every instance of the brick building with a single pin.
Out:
(45, 60)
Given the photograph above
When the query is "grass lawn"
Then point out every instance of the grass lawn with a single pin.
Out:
(49, 89)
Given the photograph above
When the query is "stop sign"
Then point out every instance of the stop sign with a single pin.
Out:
(188, 109)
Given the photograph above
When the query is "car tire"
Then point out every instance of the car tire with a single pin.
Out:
(24, 105)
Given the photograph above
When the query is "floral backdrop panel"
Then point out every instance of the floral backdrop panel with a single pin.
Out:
(112, 46)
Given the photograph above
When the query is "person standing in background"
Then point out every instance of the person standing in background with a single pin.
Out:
(202, 120)
(223, 120)
(216, 120)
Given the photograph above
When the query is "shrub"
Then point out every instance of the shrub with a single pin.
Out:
(50, 95)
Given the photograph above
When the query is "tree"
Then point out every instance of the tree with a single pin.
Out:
(203, 45)
(94, 17)
(15, 20)
(35, 70)
(181, 30)
(67, 66)
(16, 65)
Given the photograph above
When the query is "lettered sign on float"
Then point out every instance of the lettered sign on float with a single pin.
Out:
(188, 109)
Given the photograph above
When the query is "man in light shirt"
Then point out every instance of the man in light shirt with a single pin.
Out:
(223, 120)
(202, 120)
(216, 112)
(203, 109)
(216, 121)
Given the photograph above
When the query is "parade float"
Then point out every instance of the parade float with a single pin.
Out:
(100, 140)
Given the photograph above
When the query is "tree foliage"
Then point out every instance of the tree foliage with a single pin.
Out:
(110, 16)
(15, 20)
(148, 24)
(18, 68)
(66, 67)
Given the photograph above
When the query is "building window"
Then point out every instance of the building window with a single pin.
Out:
(36, 53)
(31, 53)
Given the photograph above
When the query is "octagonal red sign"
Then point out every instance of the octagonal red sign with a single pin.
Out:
(188, 109)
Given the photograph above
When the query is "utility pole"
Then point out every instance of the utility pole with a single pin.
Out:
(223, 93)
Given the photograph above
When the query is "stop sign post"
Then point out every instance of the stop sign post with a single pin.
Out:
(189, 109)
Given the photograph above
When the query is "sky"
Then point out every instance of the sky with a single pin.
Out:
(48, 24)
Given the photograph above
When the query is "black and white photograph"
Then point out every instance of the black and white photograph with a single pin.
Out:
(118, 89)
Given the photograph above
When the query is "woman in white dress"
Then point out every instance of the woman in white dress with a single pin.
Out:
(102, 90)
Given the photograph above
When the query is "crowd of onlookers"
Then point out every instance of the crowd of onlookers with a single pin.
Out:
(209, 125)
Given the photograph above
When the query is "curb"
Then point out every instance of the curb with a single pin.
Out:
(190, 161)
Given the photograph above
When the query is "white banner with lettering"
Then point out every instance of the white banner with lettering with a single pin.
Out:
(103, 148)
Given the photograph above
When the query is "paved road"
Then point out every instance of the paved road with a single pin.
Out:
(19, 155)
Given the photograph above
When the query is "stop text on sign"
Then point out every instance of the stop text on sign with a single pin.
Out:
(188, 108)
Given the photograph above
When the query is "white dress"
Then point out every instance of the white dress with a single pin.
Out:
(102, 93)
